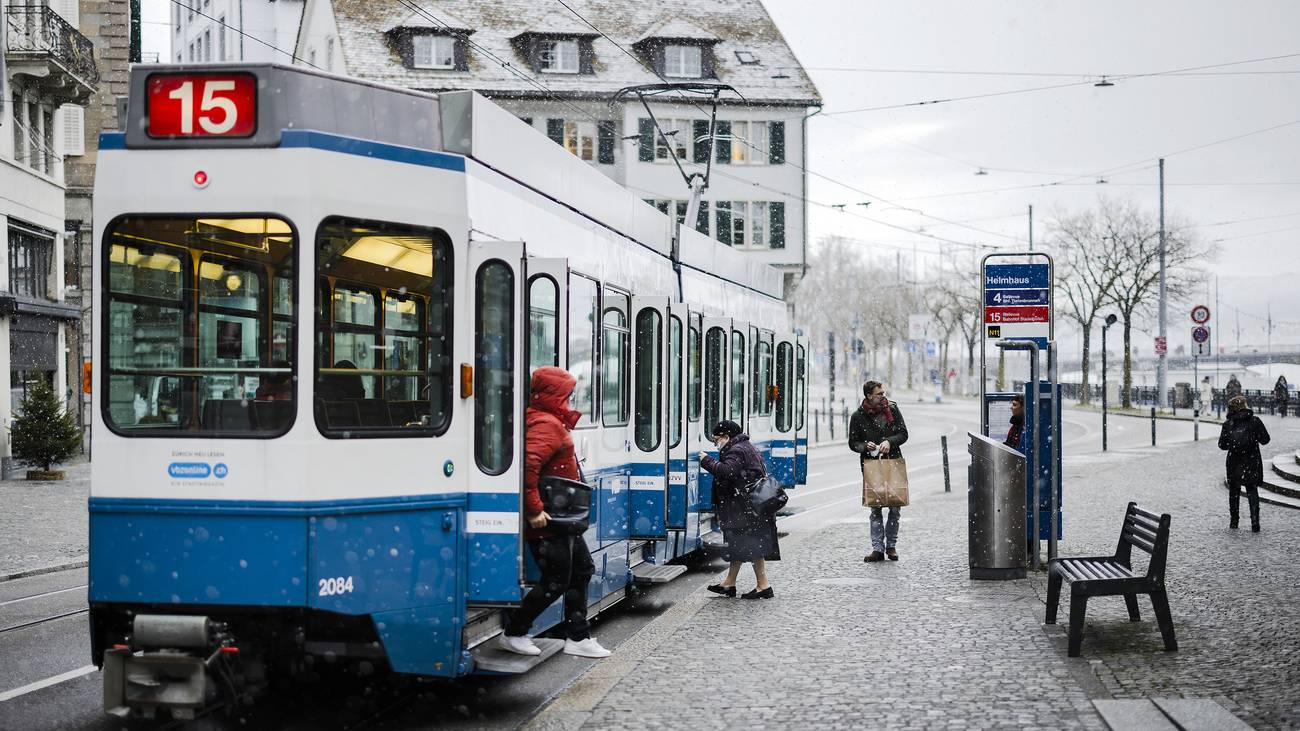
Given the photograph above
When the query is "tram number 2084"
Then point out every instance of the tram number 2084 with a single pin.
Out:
(334, 586)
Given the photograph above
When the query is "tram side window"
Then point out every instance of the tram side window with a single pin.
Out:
(694, 377)
(761, 404)
(383, 326)
(783, 386)
(715, 370)
(649, 379)
(674, 381)
(543, 323)
(494, 367)
(614, 360)
(200, 327)
(583, 323)
(738, 377)
(800, 389)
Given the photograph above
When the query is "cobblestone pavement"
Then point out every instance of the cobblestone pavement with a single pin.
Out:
(915, 644)
(44, 524)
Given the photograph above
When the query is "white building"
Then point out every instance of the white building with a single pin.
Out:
(234, 30)
(47, 66)
(558, 71)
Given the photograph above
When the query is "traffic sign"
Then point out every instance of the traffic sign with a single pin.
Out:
(1200, 334)
(1016, 314)
(918, 326)
(1201, 349)
(1200, 314)
(1162, 345)
(1015, 297)
(1018, 302)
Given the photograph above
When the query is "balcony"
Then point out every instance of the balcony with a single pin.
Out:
(45, 53)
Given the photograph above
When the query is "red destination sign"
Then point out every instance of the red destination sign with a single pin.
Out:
(1012, 315)
(202, 105)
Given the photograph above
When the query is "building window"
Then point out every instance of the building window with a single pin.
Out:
(434, 52)
(191, 56)
(684, 61)
(580, 139)
(749, 143)
(746, 58)
(557, 56)
(678, 134)
(31, 259)
(207, 45)
(311, 58)
(329, 54)
(221, 39)
(177, 8)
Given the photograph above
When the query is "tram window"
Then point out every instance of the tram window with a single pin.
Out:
(614, 360)
(543, 321)
(494, 395)
(783, 387)
(199, 340)
(800, 389)
(760, 404)
(583, 321)
(738, 377)
(383, 345)
(694, 375)
(715, 370)
(674, 381)
(649, 379)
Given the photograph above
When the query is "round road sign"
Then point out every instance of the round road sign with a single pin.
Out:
(1200, 334)
(1200, 314)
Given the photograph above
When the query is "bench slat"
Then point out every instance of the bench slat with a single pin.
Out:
(1133, 518)
(1145, 545)
(1145, 513)
(1145, 534)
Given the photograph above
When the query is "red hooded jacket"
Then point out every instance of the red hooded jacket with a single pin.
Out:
(548, 448)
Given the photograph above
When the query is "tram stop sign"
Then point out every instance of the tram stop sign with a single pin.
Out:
(1200, 334)
(1200, 341)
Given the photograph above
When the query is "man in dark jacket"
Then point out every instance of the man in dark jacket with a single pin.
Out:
(1242, 434)
(1281, 395)
(563, 559)
(877, 430)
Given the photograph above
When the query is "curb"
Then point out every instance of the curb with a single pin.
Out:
(1147, 416)
(83, 563)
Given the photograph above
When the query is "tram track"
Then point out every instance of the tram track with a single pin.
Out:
(43, 620)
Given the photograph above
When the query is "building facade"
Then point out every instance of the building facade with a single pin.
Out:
(48, 73)
(211, 31)
(559, 70)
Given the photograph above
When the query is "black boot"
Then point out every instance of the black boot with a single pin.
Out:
(1234, 510)
(1254, 516)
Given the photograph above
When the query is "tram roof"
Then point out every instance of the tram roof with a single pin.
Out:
(459, 122)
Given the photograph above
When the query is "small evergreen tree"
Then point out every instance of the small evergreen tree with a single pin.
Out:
(44, 434)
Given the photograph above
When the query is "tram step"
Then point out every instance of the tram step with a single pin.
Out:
(647, 573)
(492, 660)
(481, 625)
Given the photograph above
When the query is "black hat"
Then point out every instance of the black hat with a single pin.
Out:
(726, 428)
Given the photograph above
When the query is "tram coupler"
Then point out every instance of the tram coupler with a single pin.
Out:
(169, 662)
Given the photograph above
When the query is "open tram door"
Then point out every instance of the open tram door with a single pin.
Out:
(682, 329)
(800, 411)
(493, 385)
(548, 313)
(715, 371)
(783, 410)
(648, 485)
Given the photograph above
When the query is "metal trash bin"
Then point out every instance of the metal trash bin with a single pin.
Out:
(996, 510)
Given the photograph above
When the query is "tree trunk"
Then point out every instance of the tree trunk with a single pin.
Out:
(891, 365)
(1002, 370)
(909, 370)
(1084, 396)
(1127, 399)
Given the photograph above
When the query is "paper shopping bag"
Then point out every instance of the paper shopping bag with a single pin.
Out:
(884, 483)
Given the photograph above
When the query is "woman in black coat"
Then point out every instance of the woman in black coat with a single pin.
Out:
(1242, 434)
(751, 538)
(877, 429)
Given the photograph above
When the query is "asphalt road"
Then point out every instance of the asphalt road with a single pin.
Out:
(46, 681)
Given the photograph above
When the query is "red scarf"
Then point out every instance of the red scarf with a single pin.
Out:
(877, 410)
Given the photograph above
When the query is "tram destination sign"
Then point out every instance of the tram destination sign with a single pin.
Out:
(1018, 302)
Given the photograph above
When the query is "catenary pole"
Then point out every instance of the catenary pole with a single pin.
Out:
(1163, 363)
(1031, 227)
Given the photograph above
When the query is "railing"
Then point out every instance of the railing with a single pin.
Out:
(38, 29)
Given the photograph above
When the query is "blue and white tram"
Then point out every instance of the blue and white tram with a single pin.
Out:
(320, 300)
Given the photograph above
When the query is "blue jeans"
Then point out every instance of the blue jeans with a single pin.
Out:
(884, 534)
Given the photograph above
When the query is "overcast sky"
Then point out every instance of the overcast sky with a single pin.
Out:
(865, 54)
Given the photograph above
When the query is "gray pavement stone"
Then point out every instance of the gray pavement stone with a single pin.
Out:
(44, 524)
(916, 645)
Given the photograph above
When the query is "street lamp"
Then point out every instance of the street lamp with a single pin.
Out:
(1110, 320)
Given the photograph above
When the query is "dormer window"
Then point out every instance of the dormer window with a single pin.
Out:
(557, 55)
(685, 62)
(434, 52)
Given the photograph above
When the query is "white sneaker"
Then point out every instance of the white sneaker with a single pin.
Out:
(522, 645)
(587, 648)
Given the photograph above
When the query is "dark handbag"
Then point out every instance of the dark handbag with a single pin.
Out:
(568, 502)
(766, 496)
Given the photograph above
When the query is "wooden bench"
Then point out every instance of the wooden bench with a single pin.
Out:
(1113, 576)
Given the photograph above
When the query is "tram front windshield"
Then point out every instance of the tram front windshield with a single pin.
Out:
(200, 322)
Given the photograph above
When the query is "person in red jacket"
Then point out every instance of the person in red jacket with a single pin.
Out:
(563, 559)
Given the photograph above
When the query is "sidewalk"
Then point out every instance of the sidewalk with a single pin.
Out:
(43, 524)
(916, 645)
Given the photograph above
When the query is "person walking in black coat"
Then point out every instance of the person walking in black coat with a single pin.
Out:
(877, 430)
(1281, 395)
(1242, 434)
(750, 537)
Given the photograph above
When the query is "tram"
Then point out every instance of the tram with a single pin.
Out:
(319, 303)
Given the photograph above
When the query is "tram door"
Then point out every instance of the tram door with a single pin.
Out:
(648, 493)
(716, 370)
(738, 384)
(782, 400)
(800, 411)
(492, 389)
(680, 320)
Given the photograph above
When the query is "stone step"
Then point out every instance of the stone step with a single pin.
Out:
(1281, 495)
(1286, 467)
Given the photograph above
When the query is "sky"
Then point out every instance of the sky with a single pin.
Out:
(917, 164)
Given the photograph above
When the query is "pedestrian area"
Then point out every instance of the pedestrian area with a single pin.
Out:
(916, 645)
